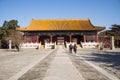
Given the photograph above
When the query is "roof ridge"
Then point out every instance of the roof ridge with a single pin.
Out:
(59, 19)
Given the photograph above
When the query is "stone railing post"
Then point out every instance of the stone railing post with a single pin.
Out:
(112, 47)
(10, 44)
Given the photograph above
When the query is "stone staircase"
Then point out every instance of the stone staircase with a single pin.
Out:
(42, 47)
(79, 47)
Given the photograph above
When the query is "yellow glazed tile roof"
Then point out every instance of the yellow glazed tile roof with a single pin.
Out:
(47, 25)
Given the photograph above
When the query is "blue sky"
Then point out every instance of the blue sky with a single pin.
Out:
(100, 12)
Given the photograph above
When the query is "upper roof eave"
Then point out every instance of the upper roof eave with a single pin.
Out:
(73, 24)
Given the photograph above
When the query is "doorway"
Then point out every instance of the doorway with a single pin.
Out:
(60, 40)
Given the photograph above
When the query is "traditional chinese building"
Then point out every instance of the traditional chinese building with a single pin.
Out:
(61, 31)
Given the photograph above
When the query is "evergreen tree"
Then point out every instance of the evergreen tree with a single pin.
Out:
(8, 31)
(114, 31)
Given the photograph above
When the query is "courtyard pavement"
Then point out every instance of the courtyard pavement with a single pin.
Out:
(15, 64)
(107, 62)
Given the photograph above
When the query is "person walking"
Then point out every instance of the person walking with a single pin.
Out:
(70, 48)
(75, 48)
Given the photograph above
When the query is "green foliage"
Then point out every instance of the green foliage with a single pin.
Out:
(5, 24)
(8, 32)
(4, 43)
(1, 33)
(115, 31)
(13, 24)
(16, 38)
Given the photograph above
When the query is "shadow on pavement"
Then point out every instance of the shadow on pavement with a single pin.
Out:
(112, 59)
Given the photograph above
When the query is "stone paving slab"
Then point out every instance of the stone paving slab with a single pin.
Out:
(10, 65)
(110, 76)
(15, 64)
(6, 52)
(38, 71)
(94, 59)
(61, 68)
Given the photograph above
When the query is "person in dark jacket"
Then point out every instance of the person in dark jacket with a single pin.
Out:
(75, 48)
(70, 48)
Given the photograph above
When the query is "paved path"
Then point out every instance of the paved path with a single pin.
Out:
(61, 68)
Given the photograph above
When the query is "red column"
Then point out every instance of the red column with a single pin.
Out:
(84, 38)
(96, 38)
(37, 40)
(25, 39)
(50, 38)
(70, 36)
(93, 38)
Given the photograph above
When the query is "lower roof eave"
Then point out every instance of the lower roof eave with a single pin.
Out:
(55, 30)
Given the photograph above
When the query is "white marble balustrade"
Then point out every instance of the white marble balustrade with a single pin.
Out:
(89, 44)
(50, 45)
(30, 45)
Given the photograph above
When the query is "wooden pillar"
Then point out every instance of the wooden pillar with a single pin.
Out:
(96, 38)
(50, 38)
(70, 37)
(93, 38)
(25, 39)
(37, 40)
(84, 38)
